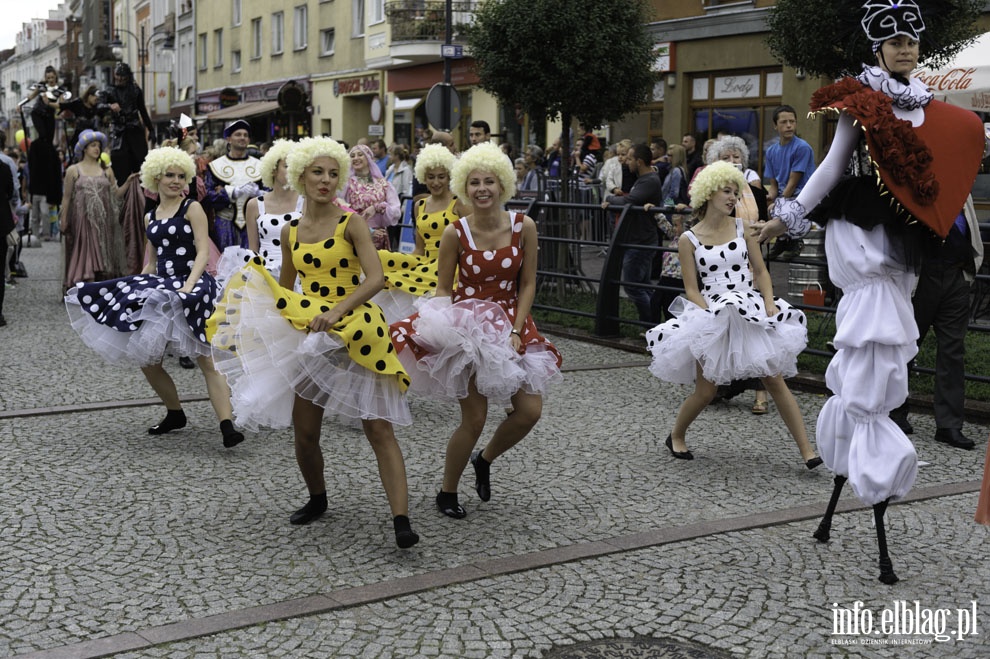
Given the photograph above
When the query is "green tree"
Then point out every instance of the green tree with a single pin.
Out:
(590, 59)
(827, 39)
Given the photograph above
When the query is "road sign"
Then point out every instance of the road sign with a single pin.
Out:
(443, 98)
(453, 51)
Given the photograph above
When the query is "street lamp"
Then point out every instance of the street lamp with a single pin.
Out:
(142, 53)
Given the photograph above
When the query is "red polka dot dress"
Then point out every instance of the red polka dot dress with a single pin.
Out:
(409, 277)
(262, 344)
(449, 341)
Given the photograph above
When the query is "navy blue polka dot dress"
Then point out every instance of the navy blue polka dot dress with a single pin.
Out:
(733, 339)
(135, 319)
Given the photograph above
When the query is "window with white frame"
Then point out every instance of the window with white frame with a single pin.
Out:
(377, 12)
(300, 27)
(327, 41)
(218, 48)
(204, 54)
(278, 32)
(255, 38)
(235, 61)
(357, 14)
(235, 12)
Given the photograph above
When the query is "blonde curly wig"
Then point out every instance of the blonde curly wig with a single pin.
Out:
(269, 162)
(158, 161)
(308, 149)
(485, 157)
(711, 178)
(432, 156)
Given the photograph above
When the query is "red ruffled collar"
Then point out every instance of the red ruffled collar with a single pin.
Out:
(894, 145)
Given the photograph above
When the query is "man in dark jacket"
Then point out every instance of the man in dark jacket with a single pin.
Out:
(637, 264)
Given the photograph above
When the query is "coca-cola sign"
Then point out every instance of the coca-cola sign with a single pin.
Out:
(957, 79)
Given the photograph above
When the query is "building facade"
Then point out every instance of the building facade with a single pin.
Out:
(39, 44)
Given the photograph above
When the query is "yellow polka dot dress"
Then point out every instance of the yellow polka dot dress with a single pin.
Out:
(262, 344)
(411, 276)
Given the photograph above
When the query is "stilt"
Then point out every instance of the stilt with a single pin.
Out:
(822, 534)
(887, 575)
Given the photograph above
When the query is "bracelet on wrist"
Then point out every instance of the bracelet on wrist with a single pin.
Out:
(516, 332)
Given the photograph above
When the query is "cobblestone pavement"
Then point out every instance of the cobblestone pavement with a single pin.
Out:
(595, 543)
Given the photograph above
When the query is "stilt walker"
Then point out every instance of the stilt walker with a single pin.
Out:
(894, 182)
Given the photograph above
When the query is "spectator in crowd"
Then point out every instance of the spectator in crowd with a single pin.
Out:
(479, 132)
(637, 264)
(661, 161)
(399, 171)
(380, 151)
(533, 161)
(675, 186)
(941, 302)
(7, 228)
(611, 173)
(444, 139)
(787, 167)
(695, 156)
(520, 168)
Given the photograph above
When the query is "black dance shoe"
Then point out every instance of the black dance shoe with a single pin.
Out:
(680, 455)
(482, 474)
(174, 419)
(314, 508)
(814, 462)
(405, 537)
(447, 504)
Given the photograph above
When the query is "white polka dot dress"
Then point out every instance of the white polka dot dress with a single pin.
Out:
(269, 243)
(733, 339)
(134, 320)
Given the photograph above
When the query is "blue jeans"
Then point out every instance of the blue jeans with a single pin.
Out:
(637, 265)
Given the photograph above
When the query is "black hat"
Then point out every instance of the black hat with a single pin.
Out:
(122, 69)
(236, 124)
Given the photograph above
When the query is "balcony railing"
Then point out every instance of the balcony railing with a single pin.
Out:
(426, 20)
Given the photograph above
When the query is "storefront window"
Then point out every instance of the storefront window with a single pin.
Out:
(736, 103)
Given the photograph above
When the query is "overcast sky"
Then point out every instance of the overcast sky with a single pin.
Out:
(17, 12)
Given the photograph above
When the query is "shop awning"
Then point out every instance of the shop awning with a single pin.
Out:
(403, 104)
(242, 110)
(965, 81)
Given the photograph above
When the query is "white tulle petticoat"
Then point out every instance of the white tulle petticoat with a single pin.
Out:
(470, 338)
(160, 326)
(728, 345)
(274, 362)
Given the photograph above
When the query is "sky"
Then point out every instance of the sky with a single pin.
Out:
(16, 12)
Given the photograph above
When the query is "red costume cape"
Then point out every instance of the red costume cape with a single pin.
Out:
(929, 169)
